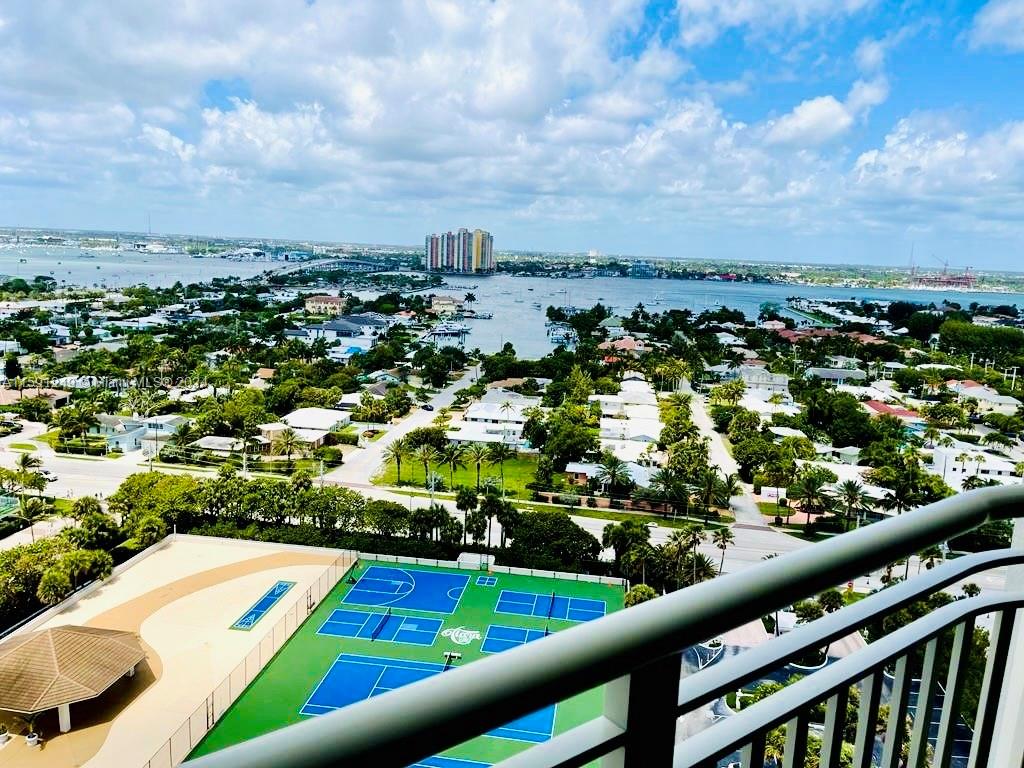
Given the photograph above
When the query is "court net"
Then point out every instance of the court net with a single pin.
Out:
(380, 627)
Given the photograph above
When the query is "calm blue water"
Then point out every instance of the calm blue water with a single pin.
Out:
(511, 299)
(118, 269)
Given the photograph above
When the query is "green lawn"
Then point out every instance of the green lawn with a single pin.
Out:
(518, 472)
(28, 447)
(50, 438)
(274, 698)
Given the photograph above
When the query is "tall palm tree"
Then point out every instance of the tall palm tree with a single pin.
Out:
(685, 541)
(453, 457)
(477, 454)
(499, 453)
(722, 538)
(287, 442)
(854, 501)
(931, 434)
(397, 452)
(427, 455)
(32, 511)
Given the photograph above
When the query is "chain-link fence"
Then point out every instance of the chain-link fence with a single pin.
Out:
(206, 715)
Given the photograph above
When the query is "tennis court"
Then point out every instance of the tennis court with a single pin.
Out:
(408, 588)
(353, 678)
(389, 625)
(550, 606)
(381, 627)
(501, 638)
(440, 761)
(261, 606)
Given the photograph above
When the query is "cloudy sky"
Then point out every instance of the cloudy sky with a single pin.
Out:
(830, 130)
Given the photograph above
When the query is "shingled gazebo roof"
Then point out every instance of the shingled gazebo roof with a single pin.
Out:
(44, 669)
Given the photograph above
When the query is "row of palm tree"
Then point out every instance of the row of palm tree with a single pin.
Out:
(21, 479)
(453, 456)
(75, 420)
(814, 498)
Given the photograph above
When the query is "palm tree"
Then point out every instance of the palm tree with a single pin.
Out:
(722, 538)
(703, 568)
(810, 491)
(931, 434)
(962, 459)
(27, 462)
(477, 454)
(613, 472)
(397, 452)
(452, 455)
(32, 511)
(854, 501)
(427, 455)
(687, 539)
(287, 442)
(499, 453)
(673, 488)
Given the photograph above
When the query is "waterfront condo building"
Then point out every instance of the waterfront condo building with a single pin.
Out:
(461, 251)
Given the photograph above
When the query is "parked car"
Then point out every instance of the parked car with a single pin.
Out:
(428, 407)
(48, 475)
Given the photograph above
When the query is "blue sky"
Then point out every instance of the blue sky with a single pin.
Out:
(807, 130)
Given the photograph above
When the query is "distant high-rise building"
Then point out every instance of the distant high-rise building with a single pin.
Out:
(461, 251)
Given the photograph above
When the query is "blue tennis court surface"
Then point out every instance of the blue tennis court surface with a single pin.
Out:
(440, 761)
(486, 581)
(501, 638)
(264, 604)
(353, 678)
(549, 606)
(412, 630)
(434, 591)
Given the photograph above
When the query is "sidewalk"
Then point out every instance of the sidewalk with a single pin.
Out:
(43, 530)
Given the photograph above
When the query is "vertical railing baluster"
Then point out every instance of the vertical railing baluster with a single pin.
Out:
(753, 753)
(795, 755)
(958, 659)
(651, 717)
(867, 715)
(919, 732)
(991, 688)
(892, 750)
(835, 729)
(616, 709)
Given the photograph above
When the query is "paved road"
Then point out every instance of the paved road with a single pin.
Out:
(743, 507)
(362, 464)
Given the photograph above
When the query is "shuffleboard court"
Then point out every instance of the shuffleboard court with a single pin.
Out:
(380, 627)
(408, 588)
(501, 638)
(486, 581)
(261, 606)
(353, 678)
(549, 606)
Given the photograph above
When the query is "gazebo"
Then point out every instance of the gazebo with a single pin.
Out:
(54, 668)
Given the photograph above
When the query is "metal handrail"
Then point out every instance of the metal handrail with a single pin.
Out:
(400, 727)
(705, 747)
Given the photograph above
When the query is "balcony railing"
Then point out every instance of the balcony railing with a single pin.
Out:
(637, 655)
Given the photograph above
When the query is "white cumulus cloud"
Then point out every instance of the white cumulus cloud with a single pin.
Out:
(999, 24)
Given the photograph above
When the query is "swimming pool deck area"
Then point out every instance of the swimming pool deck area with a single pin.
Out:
(182, 598)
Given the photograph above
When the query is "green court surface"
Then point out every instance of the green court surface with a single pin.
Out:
(393, 627)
